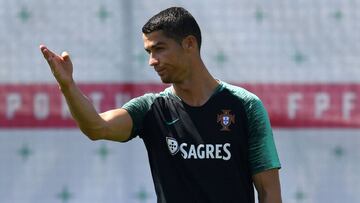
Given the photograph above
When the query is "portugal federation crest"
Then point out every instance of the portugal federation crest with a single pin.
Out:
(172, 145)
(225, 119)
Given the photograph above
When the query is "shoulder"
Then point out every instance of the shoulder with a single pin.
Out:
(241, 93)
(252, 104)
(138, 108)
(145, 101)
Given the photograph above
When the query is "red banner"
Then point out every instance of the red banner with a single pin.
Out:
(289, 105)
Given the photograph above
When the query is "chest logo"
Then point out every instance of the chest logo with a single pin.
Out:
(171, 122)
(225, 119)
(172, 145)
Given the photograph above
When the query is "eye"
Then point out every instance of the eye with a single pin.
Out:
(159, 48)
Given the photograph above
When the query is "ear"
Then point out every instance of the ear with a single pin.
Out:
(189, 43)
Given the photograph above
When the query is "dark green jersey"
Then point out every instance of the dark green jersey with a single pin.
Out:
(207, 153)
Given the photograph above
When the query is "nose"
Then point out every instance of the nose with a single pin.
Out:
(153, 61)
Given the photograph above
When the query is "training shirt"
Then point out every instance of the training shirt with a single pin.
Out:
(207, 153)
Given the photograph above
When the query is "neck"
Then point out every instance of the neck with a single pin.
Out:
(198, 87)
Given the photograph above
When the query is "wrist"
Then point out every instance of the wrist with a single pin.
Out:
(65, 87)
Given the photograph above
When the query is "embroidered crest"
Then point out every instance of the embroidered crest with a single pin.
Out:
(225, 119)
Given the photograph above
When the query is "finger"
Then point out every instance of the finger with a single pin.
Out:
(44, 50)
(48, 55)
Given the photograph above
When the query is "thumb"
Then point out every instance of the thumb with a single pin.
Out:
(65, 56)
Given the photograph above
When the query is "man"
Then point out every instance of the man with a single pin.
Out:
(207, 141)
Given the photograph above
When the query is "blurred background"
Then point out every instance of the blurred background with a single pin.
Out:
(302, 58)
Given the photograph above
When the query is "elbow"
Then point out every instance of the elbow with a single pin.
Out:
(92, 134)
(92, 138)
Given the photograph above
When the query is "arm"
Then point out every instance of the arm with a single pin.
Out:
(263, 158)
(267, 184)
(111, 125)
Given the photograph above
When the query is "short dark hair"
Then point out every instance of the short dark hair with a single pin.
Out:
(176, 23)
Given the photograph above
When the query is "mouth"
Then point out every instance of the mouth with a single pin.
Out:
(160, 71)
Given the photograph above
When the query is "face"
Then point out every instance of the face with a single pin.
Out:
(167, 56)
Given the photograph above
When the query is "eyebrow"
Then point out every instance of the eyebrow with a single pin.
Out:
(154, 46)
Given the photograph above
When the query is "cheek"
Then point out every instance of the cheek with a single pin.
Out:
(168, 58)
(174, 57)
(180, 58)
(183, 61)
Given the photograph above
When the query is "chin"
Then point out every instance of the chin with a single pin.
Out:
(166, 80)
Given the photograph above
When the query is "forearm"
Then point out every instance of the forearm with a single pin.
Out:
(83, 111)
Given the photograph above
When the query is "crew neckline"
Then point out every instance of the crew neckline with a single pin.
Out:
(218, 89)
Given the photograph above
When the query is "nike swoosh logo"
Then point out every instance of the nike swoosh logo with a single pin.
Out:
(171, 122)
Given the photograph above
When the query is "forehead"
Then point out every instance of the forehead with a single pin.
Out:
(155, 37)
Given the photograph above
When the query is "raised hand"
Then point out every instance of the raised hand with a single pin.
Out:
(61, 66)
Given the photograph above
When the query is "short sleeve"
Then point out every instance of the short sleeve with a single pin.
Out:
(137, 108)
(262, 149)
